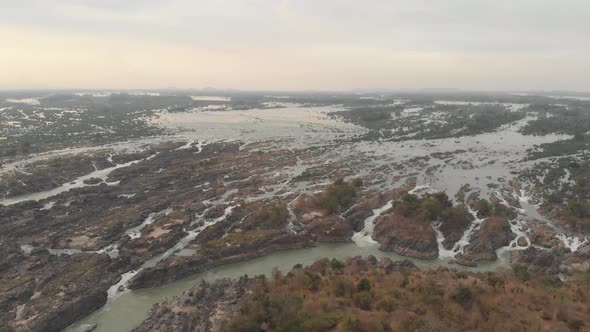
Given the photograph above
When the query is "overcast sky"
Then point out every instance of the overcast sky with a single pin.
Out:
(295, 44)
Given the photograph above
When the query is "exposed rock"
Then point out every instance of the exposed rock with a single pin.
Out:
(453, 227)
(357, 215)
(330, 229)
(464, 262)
(542, 234)
(493, 234)
(230, 249)
(406, 236)
(536, 260)
(203, 308)
(89, 328)
(389, 266)
(168, 270)
(53, 292)
(92, 181)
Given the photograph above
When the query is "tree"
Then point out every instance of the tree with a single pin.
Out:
(484, 208)
(364, 285)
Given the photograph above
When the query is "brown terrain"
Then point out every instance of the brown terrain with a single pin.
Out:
(370, 295)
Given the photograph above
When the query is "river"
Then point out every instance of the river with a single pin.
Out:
(128, 309)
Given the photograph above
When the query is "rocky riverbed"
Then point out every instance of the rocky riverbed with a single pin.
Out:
(81, 228)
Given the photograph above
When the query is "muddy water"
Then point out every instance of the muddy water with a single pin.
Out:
(127, 310)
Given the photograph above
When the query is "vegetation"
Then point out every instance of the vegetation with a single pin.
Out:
(267, 215)
(272, 215)
(564, 184)
(574, 120)
(406, 300)
(337, 197)
(79, 120)
(429, 207)
(391, 122)
(486, 209)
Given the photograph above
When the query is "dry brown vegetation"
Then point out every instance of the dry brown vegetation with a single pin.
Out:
(337, 296)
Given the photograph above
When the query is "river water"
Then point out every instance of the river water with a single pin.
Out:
(482, 161)
(128, 309)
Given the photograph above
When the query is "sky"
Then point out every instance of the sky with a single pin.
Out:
(295, 44)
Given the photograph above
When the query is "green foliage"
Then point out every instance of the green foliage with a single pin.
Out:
(343, 286)
(336, 264)
(350, 324)
(463, 295)
(409, 324)
(315, 322)
(579, 209)
(548, 282)
(363, 300)
(429, 207)
(501, 210)
(432, 207)
(387, 304)
(273, 215)
(363, 285)
(337, 197)
(521, 272)
(494, 280)
(314, 281)
(454, 215)
(484, 208)
(576, 324)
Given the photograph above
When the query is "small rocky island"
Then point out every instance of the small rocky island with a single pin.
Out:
(148, 202)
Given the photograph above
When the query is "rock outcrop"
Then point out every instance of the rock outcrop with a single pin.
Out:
(537, 260)
(453, 227)
(405, 236)
(203, 308)
(54, 291)
(231, 249)
(542, 234)
(493, 233)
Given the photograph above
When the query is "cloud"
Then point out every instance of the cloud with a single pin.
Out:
(296, 44)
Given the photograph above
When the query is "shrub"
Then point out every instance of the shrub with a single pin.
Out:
(387, 304)
(494, 280)
(336, 264)
(521, 272)
(463, 295)
(350, 325)
(363, 300)
(364, 285)
(338, 196)
(576, 325)
(314, 281)
(343, 286)
(484, 208)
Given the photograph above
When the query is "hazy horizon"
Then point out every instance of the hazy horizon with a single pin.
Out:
(267, 45)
